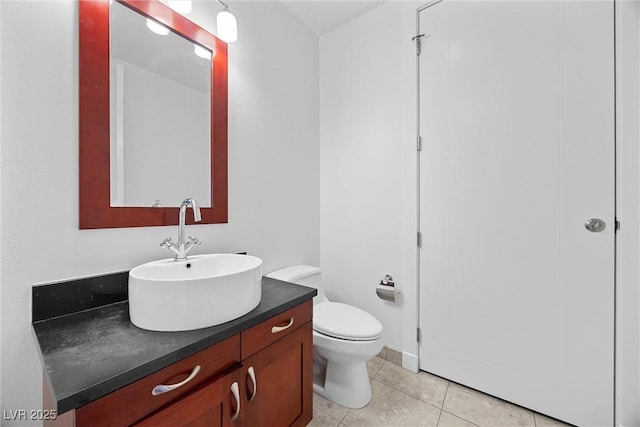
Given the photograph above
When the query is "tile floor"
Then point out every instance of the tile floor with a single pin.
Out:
(403, 398)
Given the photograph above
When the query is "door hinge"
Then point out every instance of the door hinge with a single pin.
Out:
(419, 334)
(419, 239)
(617, 225)
(418, 40)
(419, 143)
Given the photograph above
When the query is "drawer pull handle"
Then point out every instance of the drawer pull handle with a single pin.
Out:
(252, 375)
(235, 390)
(162, 388)
(277, 329)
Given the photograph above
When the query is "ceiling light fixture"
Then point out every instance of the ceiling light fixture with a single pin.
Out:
(180, 6)
(157, 28)
(202, 52)
(227, 25)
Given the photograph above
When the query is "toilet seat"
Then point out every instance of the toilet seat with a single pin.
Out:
(345, 322)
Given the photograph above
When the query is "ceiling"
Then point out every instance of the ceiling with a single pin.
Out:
(323, 16)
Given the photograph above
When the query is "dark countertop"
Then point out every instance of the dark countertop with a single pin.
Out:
(91, 353)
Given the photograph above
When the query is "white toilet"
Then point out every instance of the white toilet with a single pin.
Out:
(344, 338)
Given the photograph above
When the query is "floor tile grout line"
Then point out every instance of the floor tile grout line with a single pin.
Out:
(329, 415)
(406, 394)
(485, 395)
(410, 395)
(462, 418)
(444, 399)
(439, 416)
(325, 412)
(345, 415)
(378, 370)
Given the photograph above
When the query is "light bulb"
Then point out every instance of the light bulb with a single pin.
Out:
(227, 26)
(202, 52)
(180, 6)
(157, 28)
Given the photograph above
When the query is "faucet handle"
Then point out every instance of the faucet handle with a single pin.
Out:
(190, 244)
(167, 243)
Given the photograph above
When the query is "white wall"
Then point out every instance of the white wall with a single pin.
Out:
(360, 174)
(366, 141)
(273, 164)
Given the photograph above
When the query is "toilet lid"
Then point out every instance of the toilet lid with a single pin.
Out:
(345, 322)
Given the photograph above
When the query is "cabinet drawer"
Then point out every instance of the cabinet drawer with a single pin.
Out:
(280, 325)
(131, 403)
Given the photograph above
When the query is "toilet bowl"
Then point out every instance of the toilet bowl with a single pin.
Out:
(344, 338)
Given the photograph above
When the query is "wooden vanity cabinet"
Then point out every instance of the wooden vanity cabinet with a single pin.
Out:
(262, 376)
(283, 392)
(281, 355)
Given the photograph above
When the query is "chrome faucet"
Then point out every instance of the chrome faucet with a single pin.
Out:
(181, 248)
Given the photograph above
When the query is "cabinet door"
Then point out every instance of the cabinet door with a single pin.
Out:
(217, 404)
(282, 394)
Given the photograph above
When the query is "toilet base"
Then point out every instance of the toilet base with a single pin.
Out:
(346, 384)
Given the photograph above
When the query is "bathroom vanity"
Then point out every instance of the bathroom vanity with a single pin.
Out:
(99, 369)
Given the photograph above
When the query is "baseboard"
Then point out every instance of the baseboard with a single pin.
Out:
(410, 361)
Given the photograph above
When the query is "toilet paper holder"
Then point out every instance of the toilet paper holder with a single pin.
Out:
(386, 289)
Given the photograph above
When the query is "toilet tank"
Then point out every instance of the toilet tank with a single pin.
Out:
(305, 275)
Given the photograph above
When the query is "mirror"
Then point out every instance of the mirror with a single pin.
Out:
(160, 106)
(120, 148)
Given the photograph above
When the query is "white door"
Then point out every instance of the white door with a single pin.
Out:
(517, 124)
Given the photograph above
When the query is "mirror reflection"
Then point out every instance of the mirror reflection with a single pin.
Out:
(160, 103)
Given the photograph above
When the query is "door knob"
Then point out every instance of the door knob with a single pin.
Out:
(595, 225)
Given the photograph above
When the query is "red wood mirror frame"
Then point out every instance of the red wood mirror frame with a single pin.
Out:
(95, 202)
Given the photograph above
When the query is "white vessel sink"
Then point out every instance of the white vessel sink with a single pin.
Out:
(201, 291)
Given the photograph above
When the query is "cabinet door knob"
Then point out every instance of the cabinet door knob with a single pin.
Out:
(235, 390)
(162, 388)
(277, 329)
(252, 375)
